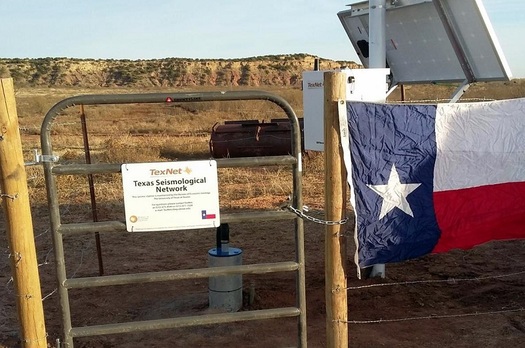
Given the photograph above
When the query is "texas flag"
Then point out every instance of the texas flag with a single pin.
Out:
(430, 178)
(205, 215)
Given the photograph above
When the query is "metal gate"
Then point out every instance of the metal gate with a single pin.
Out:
(60, 230)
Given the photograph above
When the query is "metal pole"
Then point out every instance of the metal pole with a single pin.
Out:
(335, 207)
(377, 59)
(377, 34)
(91, 189)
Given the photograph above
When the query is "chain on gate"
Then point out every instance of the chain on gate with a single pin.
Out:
(302, 215)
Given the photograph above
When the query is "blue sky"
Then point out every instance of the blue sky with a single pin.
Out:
(139, 29)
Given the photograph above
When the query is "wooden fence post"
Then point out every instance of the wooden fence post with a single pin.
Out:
(15, 199)
(335, 207)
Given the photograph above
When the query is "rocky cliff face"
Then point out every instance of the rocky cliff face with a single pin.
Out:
(278, 70)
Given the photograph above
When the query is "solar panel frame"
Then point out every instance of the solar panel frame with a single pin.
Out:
(432, 41)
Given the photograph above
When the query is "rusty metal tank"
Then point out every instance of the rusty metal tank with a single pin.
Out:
(251, 138)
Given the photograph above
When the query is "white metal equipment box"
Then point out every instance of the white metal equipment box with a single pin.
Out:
(362, 85)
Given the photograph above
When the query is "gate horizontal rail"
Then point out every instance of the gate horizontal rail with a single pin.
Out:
(102, 168)
(184, 322)
(151, 277)
(118, 226)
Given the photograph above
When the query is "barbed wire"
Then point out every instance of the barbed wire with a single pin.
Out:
(42, 234)
(432, 316)
(7, 256)
(50, 294)
(439, 100)
(449, 281)
(46, 258)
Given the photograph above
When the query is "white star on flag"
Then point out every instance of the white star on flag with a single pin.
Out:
(394, 194)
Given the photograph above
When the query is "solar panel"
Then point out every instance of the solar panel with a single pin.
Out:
(432, 41)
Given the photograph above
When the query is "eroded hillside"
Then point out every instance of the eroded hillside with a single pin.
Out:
(276, 70)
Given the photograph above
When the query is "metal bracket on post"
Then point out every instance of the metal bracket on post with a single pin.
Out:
(39, 159)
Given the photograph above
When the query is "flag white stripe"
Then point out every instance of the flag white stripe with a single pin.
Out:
(479, 144)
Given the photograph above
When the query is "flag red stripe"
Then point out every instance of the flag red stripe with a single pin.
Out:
(473, 216)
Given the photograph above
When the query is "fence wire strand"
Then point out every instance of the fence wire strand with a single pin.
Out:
(450, 281)
(433, 316)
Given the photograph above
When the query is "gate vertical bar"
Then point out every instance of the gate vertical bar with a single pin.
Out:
(54, 220)
(299, 228)
(335, 207)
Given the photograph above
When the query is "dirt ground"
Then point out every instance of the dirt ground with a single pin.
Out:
(463, 299)
(475, 298)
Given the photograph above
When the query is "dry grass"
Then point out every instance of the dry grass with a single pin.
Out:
(181, 131)
(151, 133)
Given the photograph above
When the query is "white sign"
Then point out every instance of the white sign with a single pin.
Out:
(170, 195)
